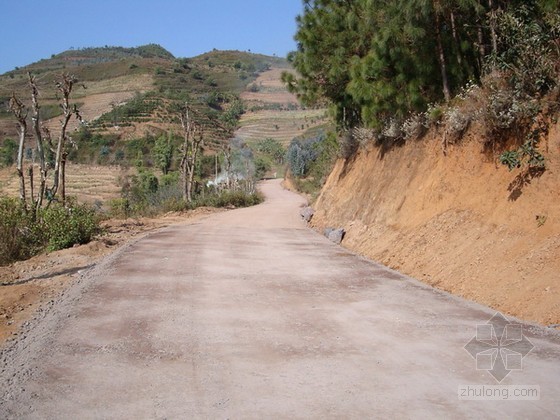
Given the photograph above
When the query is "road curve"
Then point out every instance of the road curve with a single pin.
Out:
(249, 314)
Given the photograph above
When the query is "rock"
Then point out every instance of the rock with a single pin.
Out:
(336, 235)
(307, 213)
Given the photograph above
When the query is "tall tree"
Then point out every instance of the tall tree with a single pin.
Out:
(163, 152)
(379, 59)
(64, 86)
(326, 44)
(38, 134)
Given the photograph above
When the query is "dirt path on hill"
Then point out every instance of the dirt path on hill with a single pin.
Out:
(249, 314)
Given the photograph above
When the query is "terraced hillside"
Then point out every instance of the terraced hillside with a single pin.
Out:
(273, 112)
(269, 89)
(283, 126)
(90, 184)
(126, 95)
(114, 75)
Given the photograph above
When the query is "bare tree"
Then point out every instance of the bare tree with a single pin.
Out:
(228, 162)
(192, 141)
(42, 140)
(20, 112)
(193, 126)
(36, 122)
(64, 86)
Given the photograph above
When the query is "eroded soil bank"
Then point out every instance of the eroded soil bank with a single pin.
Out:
(460, 221)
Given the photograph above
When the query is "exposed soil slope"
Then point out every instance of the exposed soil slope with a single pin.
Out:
(458, 222)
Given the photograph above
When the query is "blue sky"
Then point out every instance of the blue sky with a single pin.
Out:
(36, 29)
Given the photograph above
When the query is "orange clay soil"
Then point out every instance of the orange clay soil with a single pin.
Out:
(460, 221)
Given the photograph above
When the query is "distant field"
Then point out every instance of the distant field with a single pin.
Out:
(271, 90)
(90, 184)
(279, 125)
(97, 99)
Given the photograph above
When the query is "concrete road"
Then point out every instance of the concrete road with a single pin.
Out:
(249, 314)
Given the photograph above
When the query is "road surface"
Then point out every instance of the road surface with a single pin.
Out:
(249, 314)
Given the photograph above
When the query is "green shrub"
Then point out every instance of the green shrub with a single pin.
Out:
(20, 236)
(510, 158)
(527, 155)
(67, 226)
(229, 199)
(120, 208)
(8, 152)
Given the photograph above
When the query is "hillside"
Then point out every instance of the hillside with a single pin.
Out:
(126, 106)
(457, 222)
(112, 76)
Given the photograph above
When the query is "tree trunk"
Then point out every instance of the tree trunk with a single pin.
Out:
(227, 161)
(216, 168)
(184, 175)
(441, 59)
(65, 87)
(31, 192)
(18, 109)
(19, 167)
(456, 39)
(493, 34)
(63, 179)
(60, 158)
(187, 126)
(481, 48)
(193, 139)
(190, 185)
(39, 140)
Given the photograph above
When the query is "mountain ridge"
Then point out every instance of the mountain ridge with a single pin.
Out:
(115, 75)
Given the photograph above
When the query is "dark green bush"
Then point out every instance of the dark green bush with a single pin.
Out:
(67, 226)
(8, 152)
(229, 199)
(23, 236)
(20, 237)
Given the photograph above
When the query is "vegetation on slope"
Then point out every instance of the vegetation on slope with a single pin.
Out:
(175, 134)
(211, 83)
(391, 70)
(375, 60)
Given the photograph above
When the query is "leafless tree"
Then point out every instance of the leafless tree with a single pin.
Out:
(36, 122)
(43, 140)
(192, 141)
(64, 86)
(20, 112)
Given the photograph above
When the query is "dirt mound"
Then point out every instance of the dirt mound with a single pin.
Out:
(458, 222)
